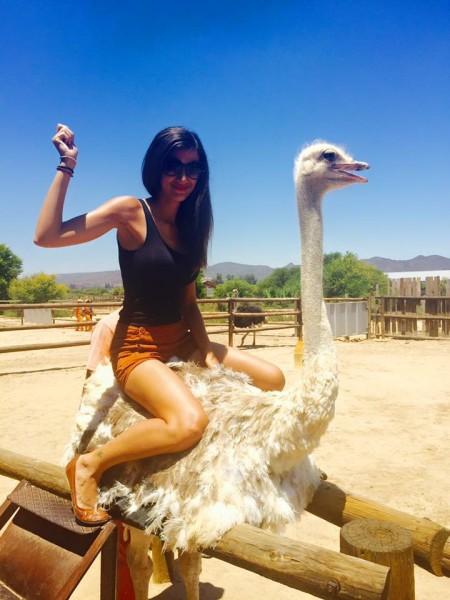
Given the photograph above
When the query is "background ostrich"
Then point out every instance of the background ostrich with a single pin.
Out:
(247, 321)
(252, 464)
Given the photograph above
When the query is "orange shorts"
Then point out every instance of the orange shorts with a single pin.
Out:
(134, 344)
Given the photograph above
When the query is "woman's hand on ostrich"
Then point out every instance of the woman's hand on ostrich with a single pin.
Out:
(211, 360)
(64, 142)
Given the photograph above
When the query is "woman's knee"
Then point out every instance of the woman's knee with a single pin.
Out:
(275, 378)
(188, 429)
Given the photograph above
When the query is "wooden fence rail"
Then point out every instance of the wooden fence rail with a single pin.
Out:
(406, 317)
(222, 317)
(279, 558)
(305, 567)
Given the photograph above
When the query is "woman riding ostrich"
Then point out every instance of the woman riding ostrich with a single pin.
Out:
(162, 244)
(253, 463)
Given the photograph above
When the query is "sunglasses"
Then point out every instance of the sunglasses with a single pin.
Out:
(175, 168)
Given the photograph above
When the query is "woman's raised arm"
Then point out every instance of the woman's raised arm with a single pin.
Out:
(51, 230)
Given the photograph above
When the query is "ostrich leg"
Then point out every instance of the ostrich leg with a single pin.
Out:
(161, 560)
(190, 567)
(139, 562)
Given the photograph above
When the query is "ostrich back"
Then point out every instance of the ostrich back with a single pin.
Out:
(243, 321)
(251, 465)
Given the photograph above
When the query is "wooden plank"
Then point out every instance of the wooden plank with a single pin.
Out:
(108, 591)
(258, 329)
(266, 313)
(421, 297)
(49, 346)
(54, 326)
(415, 316)
(42, 474)
(302, 566)
(7, 509)
(60, 305)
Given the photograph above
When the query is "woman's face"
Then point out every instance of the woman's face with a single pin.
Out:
(180, 174)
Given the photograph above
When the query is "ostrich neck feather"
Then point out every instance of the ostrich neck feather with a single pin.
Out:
(317, 335)
(317, 390)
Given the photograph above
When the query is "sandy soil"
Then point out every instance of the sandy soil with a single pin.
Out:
(389, 440)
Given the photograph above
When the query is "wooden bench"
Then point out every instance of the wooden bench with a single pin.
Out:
(44, 553)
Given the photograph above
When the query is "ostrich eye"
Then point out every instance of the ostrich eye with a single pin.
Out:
(329, 155)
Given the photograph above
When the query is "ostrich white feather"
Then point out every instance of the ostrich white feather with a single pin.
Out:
(251, 465)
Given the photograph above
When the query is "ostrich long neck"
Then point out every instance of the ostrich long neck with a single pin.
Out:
(315, 331)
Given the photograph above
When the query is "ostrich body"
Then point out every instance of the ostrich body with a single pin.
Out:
(252, 464)
(246, 321)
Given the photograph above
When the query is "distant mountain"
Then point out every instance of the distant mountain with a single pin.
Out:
(93, 279)
(388, 265)
(113, 278)
(418, 263)
(238, 270)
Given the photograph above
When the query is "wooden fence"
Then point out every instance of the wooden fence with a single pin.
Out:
(218, 321)
(318, 571)
(405, 313)
(412, 310)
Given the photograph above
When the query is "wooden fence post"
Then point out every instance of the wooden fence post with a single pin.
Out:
(299, 319)
(384, 544)
(431, 305)
(299, 347)
(230, 321)
(382, 323)
(369, 316)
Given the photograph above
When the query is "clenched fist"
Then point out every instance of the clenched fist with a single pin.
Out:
(64, 142)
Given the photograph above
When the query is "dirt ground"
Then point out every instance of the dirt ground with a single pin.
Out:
(389, 440)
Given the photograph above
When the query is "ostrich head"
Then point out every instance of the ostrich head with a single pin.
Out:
(319, 168)
(325, 167)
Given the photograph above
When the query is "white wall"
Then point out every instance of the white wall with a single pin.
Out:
(421, 274)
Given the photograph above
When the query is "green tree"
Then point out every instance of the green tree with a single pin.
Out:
(200, 286)
(219, 278)
(117, 292)
(281, 283)
(346, 275)
(250, 278)
(10, 268)
(37, 288)
(245, 289)
(328, 258)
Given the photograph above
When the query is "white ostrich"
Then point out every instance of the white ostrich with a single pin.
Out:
(253, 462)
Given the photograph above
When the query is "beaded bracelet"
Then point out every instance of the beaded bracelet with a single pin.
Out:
(66, 170)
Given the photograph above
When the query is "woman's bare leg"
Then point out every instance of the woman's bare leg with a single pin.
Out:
(264, 375)
(178, 424)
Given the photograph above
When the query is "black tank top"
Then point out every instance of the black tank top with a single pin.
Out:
(153, 279)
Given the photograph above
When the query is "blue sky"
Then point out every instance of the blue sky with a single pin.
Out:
(256, 80)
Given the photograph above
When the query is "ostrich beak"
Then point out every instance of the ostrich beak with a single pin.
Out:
(345, 168)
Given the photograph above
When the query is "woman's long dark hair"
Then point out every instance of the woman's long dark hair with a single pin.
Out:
(194, 218)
